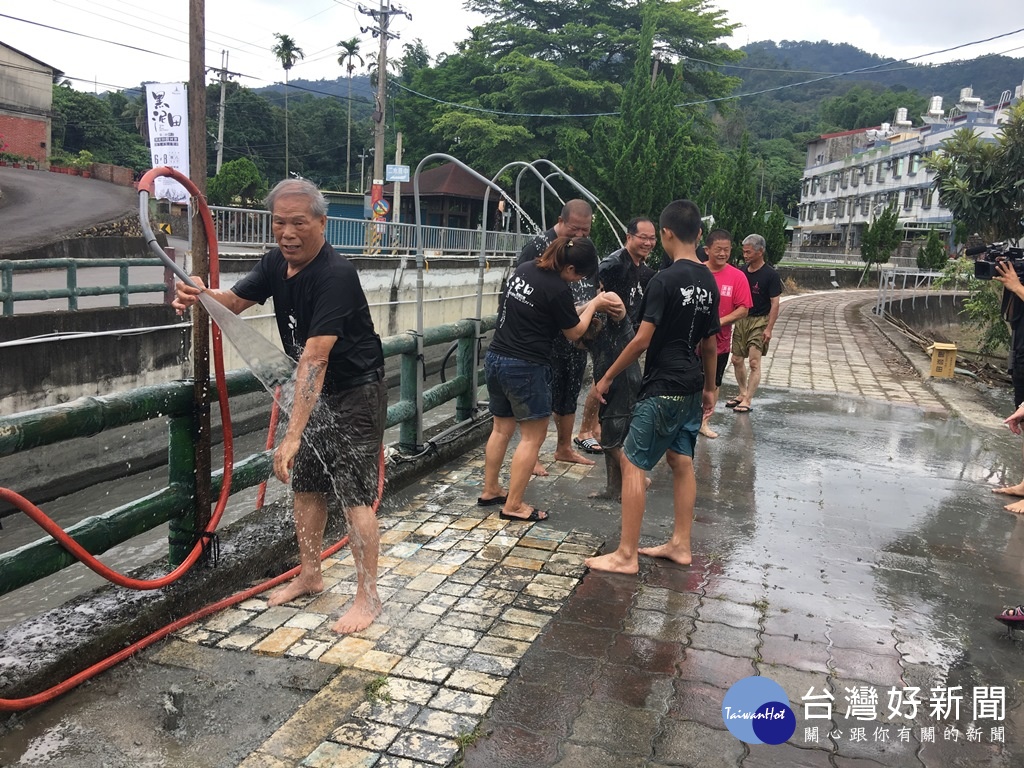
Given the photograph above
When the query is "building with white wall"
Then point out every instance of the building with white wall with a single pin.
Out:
(851, 177)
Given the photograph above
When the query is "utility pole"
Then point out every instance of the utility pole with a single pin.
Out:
(382, 17)
(224, 74)
(396, 210)
(200, 265)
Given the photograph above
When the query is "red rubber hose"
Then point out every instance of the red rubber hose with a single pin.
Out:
(18, 705)
(58, 533)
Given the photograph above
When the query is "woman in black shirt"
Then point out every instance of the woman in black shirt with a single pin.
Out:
(535, 306)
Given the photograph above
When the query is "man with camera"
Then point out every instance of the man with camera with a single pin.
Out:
(1013, 313)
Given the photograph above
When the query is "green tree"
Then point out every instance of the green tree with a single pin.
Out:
(82, 121)
(238, 183)
(775, 236)
(880, 239)
(980, 181)
(287, 52)
(641, 159)
(932, 256)
(730, 195)
(349, 55)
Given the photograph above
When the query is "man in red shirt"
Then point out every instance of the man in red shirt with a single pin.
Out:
(734, 303)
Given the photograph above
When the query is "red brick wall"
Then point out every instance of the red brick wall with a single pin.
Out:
(112, 173)
(23, 136)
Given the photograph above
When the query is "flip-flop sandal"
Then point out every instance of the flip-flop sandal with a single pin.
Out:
(742, 409)
(494, 502)
(733, 403)
(588, 445)
(534, 517)
(1012, 618)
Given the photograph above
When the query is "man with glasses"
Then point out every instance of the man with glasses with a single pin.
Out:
(626, 273)
(568, 361)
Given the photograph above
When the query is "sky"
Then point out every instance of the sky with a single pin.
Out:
(246, 28)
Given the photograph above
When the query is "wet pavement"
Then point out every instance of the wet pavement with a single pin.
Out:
(847, 547)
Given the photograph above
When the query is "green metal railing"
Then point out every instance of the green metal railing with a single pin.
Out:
(174, 504)
(73, 291)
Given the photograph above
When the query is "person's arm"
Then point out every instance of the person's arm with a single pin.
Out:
(773, 315)
(603, 302)
(709, 358)
(186, 296)
(309, 382)
(641, 341)
(732, 317)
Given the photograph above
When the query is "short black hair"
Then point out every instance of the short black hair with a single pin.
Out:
(682, 218)
(717, 234)
(631, 227)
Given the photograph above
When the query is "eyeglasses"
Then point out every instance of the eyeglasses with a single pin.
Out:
(646, 238)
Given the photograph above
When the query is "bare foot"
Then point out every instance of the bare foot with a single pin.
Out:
(677, 555)
(1017, 507)
(297, 587)
(708, 432)
(539, 470)
(573, 458)
(358, 617)
(607, 493)
(613, 562)
(1011, 490)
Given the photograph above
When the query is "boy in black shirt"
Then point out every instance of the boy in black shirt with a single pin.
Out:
(679, 317)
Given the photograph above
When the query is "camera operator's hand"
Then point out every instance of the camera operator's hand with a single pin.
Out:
(1007, 275)
(1013, 421)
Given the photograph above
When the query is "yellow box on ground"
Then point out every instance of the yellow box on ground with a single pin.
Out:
(943, 360)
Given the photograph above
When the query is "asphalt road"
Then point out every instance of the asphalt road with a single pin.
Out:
(38, 207)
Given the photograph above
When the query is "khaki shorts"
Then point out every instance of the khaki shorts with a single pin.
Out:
(749, 332)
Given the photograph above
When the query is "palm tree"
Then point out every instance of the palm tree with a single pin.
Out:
(349, 52)
(287, 52)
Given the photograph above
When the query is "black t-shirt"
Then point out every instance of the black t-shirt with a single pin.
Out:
(765, 285)
(621, 276)
(325, 298)
(582, 291)
(682, 302)
(535, 306)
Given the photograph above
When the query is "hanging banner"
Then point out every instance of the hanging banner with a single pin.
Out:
(167, 109)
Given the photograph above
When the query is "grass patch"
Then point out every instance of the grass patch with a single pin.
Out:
(377, 690)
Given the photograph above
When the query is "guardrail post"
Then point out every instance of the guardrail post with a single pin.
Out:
(72, 286)
(465, 404)
(408, 389)
(124, 283)
(7, 286)
(181, 474)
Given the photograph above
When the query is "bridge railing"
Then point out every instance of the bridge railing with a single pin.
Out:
(174, 504)
(73, 291)
(244, 227)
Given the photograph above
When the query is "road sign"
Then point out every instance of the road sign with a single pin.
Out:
(381, 208)
(396, 173)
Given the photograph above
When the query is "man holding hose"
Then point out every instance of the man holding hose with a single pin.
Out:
(333, 440)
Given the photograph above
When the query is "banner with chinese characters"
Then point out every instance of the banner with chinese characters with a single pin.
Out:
(167, 110)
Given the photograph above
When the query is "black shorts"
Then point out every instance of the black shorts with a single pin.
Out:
(340, 449)
(723, 362)
(568, 364)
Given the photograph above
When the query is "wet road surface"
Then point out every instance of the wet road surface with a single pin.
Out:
(846, 545)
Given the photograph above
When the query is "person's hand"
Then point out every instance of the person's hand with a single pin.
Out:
(600, 389)
(767, 335)
(1006, 274)
(707, 402)
(611, 303)
(284, 458)
(185, 295)
(1014, 419)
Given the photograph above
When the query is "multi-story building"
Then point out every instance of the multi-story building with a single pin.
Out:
(26, 98)
(851, 177)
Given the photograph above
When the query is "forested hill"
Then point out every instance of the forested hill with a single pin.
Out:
(989, 76)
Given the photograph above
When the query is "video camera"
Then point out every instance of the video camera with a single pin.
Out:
(990, 255)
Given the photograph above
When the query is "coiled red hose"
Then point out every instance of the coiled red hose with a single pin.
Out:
(115, 577)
